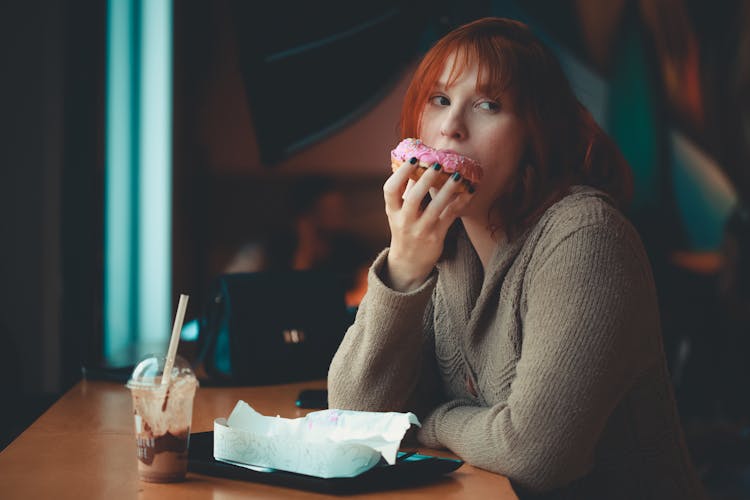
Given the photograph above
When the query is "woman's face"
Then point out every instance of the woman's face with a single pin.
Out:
(461, 118)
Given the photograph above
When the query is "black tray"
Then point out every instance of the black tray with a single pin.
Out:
(409, 470)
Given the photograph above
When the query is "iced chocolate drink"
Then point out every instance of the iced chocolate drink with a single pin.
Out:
(162, 418)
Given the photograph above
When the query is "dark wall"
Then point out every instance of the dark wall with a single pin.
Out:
(31, 163)
(50, 146)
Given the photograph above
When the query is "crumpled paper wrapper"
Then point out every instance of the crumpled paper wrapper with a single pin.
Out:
(328, 443)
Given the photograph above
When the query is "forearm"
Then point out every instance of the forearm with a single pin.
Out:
(491, 439)
(381, 360)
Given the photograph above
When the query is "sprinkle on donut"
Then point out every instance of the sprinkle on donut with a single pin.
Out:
(469, 169)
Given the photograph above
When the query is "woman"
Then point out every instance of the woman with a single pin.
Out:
(519, 321)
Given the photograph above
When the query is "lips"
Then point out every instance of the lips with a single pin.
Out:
(445, 151)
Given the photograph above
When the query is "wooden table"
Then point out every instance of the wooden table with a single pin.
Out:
(84, 447)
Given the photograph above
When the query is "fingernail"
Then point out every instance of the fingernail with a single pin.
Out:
(471, 190)
(437, 166)
(456, 177)
(413, 160)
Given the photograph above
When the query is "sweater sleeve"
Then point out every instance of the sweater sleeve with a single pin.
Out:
(386, 360)
(590, 305)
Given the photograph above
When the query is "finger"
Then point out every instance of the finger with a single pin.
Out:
(394, 187)
(409, 185)
(451, 212)
(414, 200)
(444, 196)
(454, 208)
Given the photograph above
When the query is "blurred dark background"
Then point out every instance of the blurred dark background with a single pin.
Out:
(669, 80)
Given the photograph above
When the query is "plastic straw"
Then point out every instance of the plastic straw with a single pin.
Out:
(174, 340)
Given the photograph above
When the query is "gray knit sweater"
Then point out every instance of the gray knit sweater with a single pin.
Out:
(549, 369)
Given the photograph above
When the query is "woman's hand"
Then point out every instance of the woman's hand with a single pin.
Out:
(418, 230)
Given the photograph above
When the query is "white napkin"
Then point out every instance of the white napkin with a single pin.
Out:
(328, 443)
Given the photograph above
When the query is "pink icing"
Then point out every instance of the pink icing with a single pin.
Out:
(451, 162)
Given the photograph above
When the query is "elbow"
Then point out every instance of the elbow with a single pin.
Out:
(341, 392)
(347, 392)
(344, 383)
(342, 397)
(549, 471)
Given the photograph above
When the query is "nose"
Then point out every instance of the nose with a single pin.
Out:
(453, 126)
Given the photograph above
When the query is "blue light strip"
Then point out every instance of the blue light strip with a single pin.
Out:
(155, 178)
(118, 234)
(138, 178)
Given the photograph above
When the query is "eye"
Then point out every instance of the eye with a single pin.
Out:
(440, 100)
(489, 106)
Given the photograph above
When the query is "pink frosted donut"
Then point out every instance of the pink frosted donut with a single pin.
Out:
(470, 170)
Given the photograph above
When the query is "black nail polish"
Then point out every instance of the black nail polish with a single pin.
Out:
(456, 177)
(471, 190)
(437, 166)
(413, 160)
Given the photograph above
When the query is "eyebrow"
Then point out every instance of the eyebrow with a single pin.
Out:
(483, 89)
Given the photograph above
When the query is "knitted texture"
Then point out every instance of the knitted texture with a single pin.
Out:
(548, 368)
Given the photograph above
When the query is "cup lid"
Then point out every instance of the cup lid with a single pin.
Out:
(148, 372)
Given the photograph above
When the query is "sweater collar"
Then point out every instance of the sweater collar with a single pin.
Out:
(466, 286)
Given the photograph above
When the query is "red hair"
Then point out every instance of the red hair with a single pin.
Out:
(565, 145)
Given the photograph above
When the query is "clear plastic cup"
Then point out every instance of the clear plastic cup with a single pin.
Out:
(162, 418)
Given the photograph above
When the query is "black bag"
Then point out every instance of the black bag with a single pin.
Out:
(272, 327)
